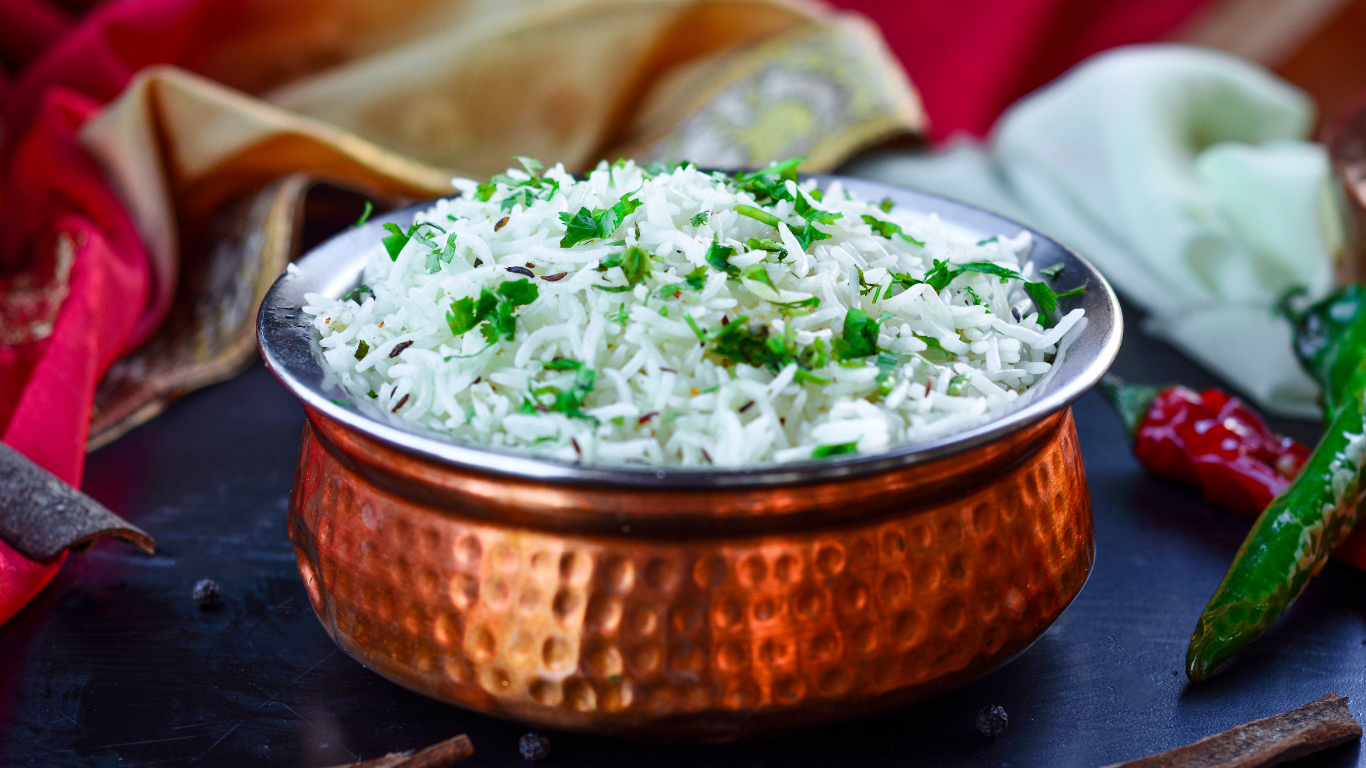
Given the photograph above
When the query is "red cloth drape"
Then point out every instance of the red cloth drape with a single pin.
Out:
(969, 59)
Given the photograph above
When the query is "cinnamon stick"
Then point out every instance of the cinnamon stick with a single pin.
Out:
(1273, 740)
(439, 755)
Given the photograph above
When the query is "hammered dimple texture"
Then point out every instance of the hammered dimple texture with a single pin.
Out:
(652, 636)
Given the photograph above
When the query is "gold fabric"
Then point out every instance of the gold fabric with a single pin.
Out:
(216, 180)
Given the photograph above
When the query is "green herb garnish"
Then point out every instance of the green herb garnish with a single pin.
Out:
(719, 257)
(397, 239)
(823, 451)
(497, 308)
(357, 290)
(699, 219)
(597, 224)
(760, 347)
(362, 350)
(859, 337)
(769, 185)
(365, 214)
(887, 229)
(958, 384)
(1052, 272)
(570, 402)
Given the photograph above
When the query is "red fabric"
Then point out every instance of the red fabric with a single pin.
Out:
(971, 59)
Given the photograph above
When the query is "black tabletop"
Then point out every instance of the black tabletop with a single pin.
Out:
(113, 664)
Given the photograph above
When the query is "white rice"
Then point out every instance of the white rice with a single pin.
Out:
(659, 395)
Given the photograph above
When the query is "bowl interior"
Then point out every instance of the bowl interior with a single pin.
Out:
(290, 347)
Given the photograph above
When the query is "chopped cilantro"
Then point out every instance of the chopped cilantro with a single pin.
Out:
(365, 214)
(992, 239)
(635, 264)
(358, 290)
(758, 274)
(763, 217)
(887, 229)
(808, 376)
(823, 451)
(562, 364)
(1079, 290)
(977, 300)
(886, 205)
(670, 291)
(659, 169)
(519, 292)
(760, 347)
(570, 402)
(362, 350)
(699, 219)
(1052, 272)
(958, 384)
(803, 307)
(702, 337)
(764, 244)
(859, 337)
(523, 191)
(596, 224)
(621, 315)
(697, 278)
(397, 239)
(769, 184)
(806, 235)
(719, 257)
(497, 308)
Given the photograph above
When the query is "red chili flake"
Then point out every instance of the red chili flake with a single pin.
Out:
(647, 417)
(555, 278)
(477, 380)
(725, 320)
(399, 347)
(400, 404)
(746, 406)
(501, 223)
(381, 323)
(328, 321)
(521, 271)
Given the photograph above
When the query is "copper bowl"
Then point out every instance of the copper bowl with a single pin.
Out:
(687, 604)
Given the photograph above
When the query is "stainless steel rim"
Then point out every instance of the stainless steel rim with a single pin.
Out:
(289, 346)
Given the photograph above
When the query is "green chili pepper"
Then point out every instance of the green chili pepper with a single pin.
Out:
(1302, 526)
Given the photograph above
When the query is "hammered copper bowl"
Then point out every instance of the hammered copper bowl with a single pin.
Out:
(687, 604)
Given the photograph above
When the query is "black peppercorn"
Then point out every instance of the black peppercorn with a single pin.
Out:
(534, 746)
(992, 720)
(207, 594)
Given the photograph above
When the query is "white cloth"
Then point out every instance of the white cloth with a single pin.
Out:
(1182, 173)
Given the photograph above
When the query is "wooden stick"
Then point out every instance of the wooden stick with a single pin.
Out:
(1278, 739)
(439, 755)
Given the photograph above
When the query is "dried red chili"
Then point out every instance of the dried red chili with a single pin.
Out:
(1209, 440)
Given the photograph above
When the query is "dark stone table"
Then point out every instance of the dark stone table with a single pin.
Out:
(113, 664)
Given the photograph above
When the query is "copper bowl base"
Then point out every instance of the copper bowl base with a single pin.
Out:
(637, 612)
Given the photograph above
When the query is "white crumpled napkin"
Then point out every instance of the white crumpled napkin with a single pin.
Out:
(1182, 174)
